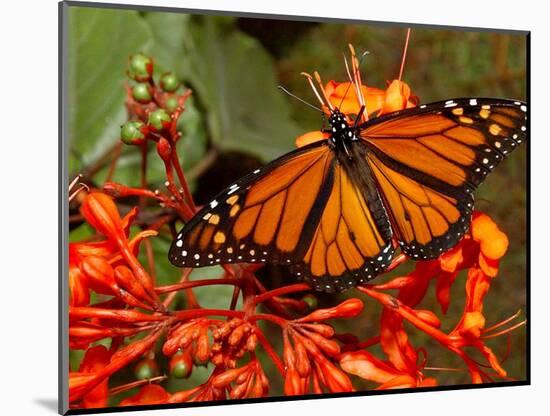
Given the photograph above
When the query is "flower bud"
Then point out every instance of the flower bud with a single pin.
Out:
(100, 275)
(302, 361)
(347, 309)
(202, 350)
(328, 346)
(429, 317)
(292, 384)
(140, 67)
(164, 149)
(169, 82)
(159, 119)
(131, 132)
(142, 93)
(251, 342)
(181, 364)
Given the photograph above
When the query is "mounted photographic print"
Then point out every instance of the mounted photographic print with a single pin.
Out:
(264, 208)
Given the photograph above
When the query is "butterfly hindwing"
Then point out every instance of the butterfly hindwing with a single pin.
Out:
(352, 240)
(428, 160)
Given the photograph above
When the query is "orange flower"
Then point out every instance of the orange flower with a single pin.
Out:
(344, 96)
(493, 243)
(397, 97)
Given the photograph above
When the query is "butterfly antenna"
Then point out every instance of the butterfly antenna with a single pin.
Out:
(404, 53)
(298, 98)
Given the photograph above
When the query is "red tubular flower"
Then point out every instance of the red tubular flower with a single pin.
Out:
(91, 264)
(232, 340)
(367, 366)
(82, 385)
(147, 395)
(246, 381)
(94, 360)
(309, 351)
(401, 370)
(192, 336)
(347, 309)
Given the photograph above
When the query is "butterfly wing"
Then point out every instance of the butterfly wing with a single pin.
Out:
(300, 210)
(428, 160)
(352, 240)
(264, 217)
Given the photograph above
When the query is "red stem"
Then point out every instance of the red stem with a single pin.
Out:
(196, 283)
(199, 313)
(270, 351)
(298, 287)
(269, 317)
(181, 177)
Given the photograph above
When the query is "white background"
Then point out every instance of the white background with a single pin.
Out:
(28, 219)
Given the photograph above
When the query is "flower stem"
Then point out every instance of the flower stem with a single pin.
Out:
(299, 287)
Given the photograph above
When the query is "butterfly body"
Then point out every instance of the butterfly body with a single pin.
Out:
(336, 210)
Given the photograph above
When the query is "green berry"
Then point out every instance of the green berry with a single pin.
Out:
(140, 67)
(181, 365)
(311, 301)
(171, 104)
(169, 82)
(141, 93)
(159, 119)
(146, 369)
(130, 132)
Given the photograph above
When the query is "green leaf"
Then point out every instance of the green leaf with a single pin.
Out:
(234, 80)
(170, 31)
(100, 42)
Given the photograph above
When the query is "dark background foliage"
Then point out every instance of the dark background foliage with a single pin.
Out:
(237, 120)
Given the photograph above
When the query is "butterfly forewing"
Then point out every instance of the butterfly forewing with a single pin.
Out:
(263, 217)
(427, 161)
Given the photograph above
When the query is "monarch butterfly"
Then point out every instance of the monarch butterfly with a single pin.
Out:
(333, 210)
